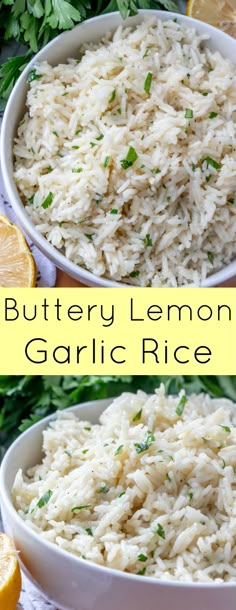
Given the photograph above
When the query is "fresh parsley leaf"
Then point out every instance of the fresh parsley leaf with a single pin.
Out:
(180, 407)
(147, 241)
(75, 508)
(114, 211)
(33, 76)
(160, 531)
(211, 162)
(226, 428)
(134, 273)
(89, 531)
(213, 115)
(44, 499)
(118, 450)
(210, 257)
(188, 113)
(142, 557)
(106, 161)
(141, 572)
(47, 201)
(113, 95)
(138, 415)
(103, 489)
(148, 440)
(148, 82)
(130, 158)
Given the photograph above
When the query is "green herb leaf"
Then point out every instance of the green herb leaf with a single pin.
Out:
(148, 82)
(89, 531)
(89, 236)
(138, 415)
(106, 162)
(134, 273)
(114, 211)
(213, 115)
(160, 531)
(211, 162)
(141, 572)
(180, 407)
(47, 201)
(113, 95)
(148, 440)
(100, 137)
(44, 499)
(190, 495)
(121, 494)
(33, 76)
(231, 200)
(142, 557)
(210, 257)
(130, 158)
(77, 171)
(147, 241)
(188, 113)
(226, 428)
(31, 199)
(80, 507)
(118, 450)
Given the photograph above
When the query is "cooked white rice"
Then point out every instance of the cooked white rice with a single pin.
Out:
(155, 490)
(170, 218)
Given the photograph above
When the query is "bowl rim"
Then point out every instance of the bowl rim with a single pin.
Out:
(5, 498)
(76, 271)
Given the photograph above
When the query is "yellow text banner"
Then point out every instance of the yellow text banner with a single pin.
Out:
(139, 331)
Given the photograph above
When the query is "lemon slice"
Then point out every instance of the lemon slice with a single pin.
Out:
(10, 576)
(17, 266)
(220, 13)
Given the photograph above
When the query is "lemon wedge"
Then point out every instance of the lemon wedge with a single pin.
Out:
(220, 13)
(10, 576)
(17, 265)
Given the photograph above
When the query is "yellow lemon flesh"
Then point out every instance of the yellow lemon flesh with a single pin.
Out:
(220, 13)
(17, 266)
(10, 576)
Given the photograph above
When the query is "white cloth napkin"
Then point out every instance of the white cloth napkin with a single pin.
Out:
(46, 275)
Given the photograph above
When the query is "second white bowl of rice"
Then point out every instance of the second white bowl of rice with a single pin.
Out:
(127, 503)
(121, 165)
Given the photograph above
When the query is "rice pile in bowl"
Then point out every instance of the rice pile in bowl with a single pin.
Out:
(126, 159)
(150, 490)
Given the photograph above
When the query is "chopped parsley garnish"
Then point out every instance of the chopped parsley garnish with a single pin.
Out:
(148, 82)
(80, 507)
(31, 199)
(188, 75)
(138, 415)
(231, 200)
(205, 93)
(106, 162)
(168, 198)
(44, 499)
(89, 531)
(210, 257)
(50, 169)
(180, 407)
(147, 240)
(78, 131)
(149, 439)
(33, 76)
(156, 171)
(193, 167)
(141, 572)
(100, 137)
(190, 495)
(89, 236)
(146, 52)
(113, 95)
(223, 463)
(103, 489)
(168, 477)
(142, 557)
(55, 134)
(87, 428)
(212, 115)
(92, 144)
(77, 171)
(211, 162)
(75, 147)
(130, 158)
(85, 451)
(114, 211)
(160, 531)
(134, 273)
(225, 428)
(119, 110)
(203, 522)
(208, 178)
(188, 113)
(118, 450)
(121, 494)
(47, 201)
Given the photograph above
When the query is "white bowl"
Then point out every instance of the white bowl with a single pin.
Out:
(64, 46)
(74, 584)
